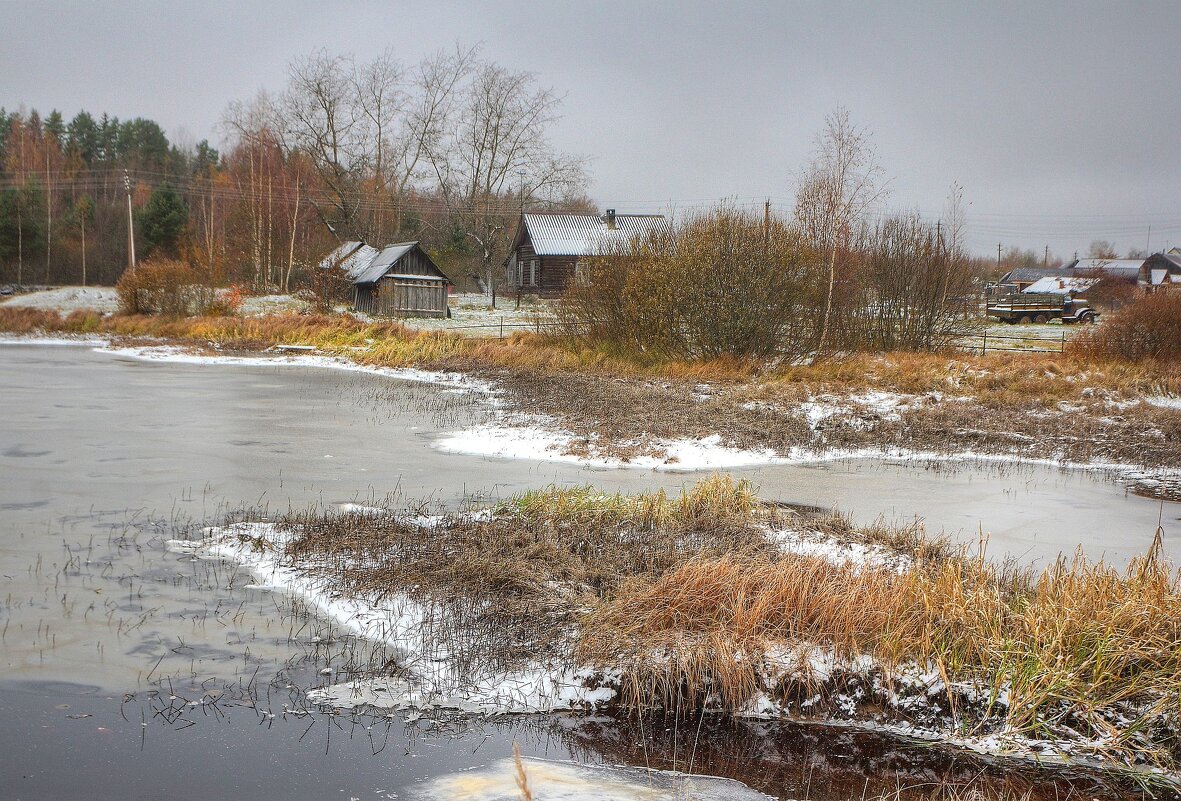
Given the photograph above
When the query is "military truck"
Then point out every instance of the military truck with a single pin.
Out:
(1041, 307)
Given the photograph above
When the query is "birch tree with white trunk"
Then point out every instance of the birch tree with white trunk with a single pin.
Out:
(837, 190)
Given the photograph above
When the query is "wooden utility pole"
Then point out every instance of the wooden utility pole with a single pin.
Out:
(130, 224)
(998, 254)
(48, 217)
(1046, 257)
(766, 225)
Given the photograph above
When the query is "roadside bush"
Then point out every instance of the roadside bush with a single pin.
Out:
(915, 293)
(1149, 328)
(719, 284)
(169, 288)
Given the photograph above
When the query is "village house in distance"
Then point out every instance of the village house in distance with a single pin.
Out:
(545, 251)
(1158, 271)
(400, 280)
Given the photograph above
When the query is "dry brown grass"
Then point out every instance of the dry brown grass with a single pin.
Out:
(1074, 647)
(687, 595)
(996, 379)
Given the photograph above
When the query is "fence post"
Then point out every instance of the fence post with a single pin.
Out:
(502, 328)
(984, 345)
(1063, 348)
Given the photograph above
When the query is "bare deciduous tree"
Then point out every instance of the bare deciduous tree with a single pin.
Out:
(495, 140)
(835, 193)
(1102, 249)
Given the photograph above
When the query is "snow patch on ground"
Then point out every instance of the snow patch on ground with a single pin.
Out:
(855, 556)
(539, 444)
(1164, 402)
(66, 299)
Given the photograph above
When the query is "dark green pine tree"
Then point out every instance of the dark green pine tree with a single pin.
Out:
(162, 221)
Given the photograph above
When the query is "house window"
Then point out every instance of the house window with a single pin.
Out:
(533, 264)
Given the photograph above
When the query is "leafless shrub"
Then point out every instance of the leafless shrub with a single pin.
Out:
(916, 290)
(168, 288)
(724, 283)
(1149, 328)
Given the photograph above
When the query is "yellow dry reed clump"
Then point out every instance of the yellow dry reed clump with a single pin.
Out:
(1078, 639)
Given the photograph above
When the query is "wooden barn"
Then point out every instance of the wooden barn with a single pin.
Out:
(547, 248)
(398, 281)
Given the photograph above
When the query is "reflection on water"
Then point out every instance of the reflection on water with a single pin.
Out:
(564, 781)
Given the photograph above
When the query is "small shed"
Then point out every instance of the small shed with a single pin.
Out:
(400, 280)
(546, 248)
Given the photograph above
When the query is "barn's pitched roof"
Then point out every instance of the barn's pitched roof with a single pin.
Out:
(385, 263)
(381, 263)
(583, 234)
(1115, 268)
(1024, 275)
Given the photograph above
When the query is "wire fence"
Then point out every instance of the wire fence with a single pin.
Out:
(981, 342)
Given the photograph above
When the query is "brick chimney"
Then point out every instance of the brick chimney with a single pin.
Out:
(609, 218)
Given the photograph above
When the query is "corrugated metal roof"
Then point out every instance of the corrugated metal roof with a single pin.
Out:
(381, 264)
(1123, 268)
(585, 234)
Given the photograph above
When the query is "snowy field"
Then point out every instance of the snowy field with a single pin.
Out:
(66, 299)
(472, 315)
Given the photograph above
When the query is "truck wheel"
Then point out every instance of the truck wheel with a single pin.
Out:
(1041, 318)
(1024, 319)
(1088, 318)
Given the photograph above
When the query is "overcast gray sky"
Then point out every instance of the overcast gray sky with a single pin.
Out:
(1061, 120)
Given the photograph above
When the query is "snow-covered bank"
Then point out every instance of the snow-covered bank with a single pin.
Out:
(178, 355)
(462, 652)
(535, 437)
(84, 341)
(536, 443)
(432, 680)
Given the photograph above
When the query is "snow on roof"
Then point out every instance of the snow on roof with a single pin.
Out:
(1024, 274)
(1061, 285)
(381, 263)
(1163, 276)
(339, 254)
(359, 261)
(585, 234)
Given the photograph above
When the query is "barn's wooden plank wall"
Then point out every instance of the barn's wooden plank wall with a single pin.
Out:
(398, 296)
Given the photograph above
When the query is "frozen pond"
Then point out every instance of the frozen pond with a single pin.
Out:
(102, 456)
